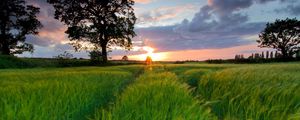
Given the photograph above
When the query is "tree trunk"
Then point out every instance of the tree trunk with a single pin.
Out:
(1, 48)
(5, 49)
(285, 54)
(104, 53)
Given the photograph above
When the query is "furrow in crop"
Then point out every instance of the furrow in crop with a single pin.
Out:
(155, 95)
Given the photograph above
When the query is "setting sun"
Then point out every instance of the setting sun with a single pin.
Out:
(150, 53)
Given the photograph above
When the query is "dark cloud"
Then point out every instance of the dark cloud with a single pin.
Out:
(37, 40)
(217, 25)
(228, 6)
(170, 38)
(201, 21)
(220, 24)
(220, 15)
(223, 7)
(292, 8)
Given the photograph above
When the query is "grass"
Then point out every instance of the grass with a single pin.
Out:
(162, 91)
(192, 76)
(156, 95)
(260, 92)
(41, 94)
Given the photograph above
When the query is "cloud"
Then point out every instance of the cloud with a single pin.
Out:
(53, 31)
(164, 15)
(292, 9)
(223, 7)
(170, 38)
(143, 1)
(227, 6)
(219, 24)
(37, 40)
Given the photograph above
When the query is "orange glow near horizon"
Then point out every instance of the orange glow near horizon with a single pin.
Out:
(150, 52)
(204, 54)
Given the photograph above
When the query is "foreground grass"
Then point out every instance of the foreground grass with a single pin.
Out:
(260, 92)
(156, 95)
(40, 94)
(163, 92)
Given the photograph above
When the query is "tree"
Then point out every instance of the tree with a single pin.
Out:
(267, 54)
(125, 58)
(95, 56)
(65, 55)
(16, 21)
(103, 23)
(283, 35)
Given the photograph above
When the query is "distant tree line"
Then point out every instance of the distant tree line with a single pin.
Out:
(266, 55)
(263, 57)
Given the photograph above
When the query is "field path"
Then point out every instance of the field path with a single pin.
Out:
(155, 95)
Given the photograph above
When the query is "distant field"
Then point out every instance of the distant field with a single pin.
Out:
(159, 92)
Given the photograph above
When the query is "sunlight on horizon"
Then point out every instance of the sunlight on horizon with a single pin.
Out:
(150, 52)
(203, 54)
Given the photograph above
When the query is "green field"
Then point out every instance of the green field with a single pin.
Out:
(159, 92)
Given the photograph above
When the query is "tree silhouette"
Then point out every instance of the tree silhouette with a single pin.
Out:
(16, 21)
(283, 35)
(103, 23)
(125, 58)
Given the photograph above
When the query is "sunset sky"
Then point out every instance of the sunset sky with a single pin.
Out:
(179, 29)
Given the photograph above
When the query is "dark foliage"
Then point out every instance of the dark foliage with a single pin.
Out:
(179, 62)
(8, 61)
(246, 61)
(283, 35)
(103, 23)
(125, 58)
(16, 21)
(96, 56)
(65, 55)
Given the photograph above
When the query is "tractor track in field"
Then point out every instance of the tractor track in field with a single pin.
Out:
(122, 89)
(155, 93)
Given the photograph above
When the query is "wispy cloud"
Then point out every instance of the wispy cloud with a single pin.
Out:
(167, 15)
(143, 1)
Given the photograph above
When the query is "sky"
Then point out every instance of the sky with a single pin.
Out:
(178, 29)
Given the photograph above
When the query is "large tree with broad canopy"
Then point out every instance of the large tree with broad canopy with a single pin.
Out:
(103, 23)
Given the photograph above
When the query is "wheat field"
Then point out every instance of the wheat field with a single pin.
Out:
(157, 92)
